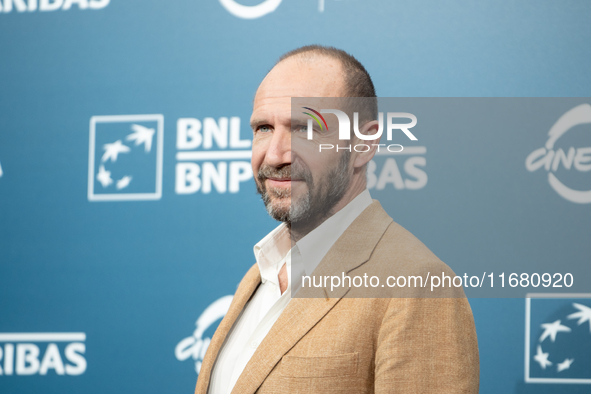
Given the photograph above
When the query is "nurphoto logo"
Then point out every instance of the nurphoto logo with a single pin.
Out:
(345, 129)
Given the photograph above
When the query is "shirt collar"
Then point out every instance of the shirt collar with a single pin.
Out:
(271, 250)
(314, 246)
(276, 248)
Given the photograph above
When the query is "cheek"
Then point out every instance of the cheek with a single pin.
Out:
(255, 165)
(320, 164)
(322, 169)
(258, 155)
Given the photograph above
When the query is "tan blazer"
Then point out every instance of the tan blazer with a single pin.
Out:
(339, 344)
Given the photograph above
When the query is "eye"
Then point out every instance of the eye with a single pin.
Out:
(264, 129)
(300, 128)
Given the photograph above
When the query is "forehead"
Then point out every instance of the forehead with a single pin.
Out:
(316, 77)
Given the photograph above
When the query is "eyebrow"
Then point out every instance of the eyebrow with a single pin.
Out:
(257, 122)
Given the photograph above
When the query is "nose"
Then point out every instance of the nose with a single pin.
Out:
(279, 150)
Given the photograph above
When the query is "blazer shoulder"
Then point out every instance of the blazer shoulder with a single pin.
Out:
(398, 253)
(401, 246)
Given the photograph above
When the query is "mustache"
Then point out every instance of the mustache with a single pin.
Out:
(291, 171)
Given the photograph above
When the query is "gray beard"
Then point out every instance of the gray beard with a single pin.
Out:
(316, 203)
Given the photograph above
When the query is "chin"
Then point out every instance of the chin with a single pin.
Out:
(281, 205)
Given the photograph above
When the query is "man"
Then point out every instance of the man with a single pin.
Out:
(325, 339)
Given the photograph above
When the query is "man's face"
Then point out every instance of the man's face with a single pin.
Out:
(295, 182)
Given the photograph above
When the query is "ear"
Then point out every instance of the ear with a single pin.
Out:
(364, 155)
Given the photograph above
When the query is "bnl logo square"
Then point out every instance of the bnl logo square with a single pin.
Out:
(558, 338)
(125, 158)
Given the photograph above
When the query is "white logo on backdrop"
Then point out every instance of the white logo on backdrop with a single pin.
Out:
(130, 170)
(250, 11)
(557, 334)
(126, 157)
(579, 158)
(26, 353)
(384, 174)
(256, 11)
(196, 345)
(51, 5)
(202, 168)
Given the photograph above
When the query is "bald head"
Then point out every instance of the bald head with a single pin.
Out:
(319, 71)
(357, 81)
(304, 76)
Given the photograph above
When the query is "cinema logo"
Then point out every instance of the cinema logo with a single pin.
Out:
(42, 353)
(570, 158)
(257, 10)
(196, 345)
(211, 156)
(250, 11)
(7, 6)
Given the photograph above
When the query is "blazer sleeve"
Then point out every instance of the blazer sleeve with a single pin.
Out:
(427, 345)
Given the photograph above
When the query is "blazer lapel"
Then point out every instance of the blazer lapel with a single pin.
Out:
(351, 250)
(245, 290)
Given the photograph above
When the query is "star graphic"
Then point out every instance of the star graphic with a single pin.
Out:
(123, 182)
(113, 150)
(584, 314)
(542, 358)
(141, 135)
(104, 177)
(551, 329)
(565, 364)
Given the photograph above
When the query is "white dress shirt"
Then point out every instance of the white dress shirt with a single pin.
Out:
(267, 303)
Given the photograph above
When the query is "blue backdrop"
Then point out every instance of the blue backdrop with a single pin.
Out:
(102, 277)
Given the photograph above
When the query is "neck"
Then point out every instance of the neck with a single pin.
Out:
(301, 229)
